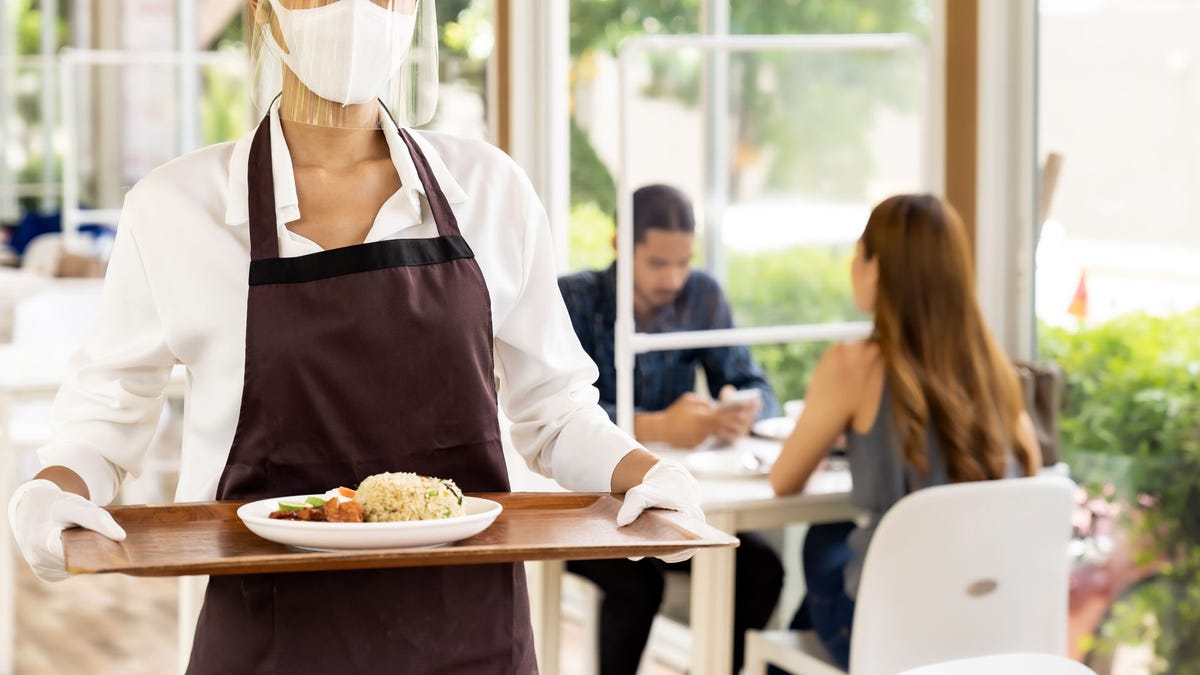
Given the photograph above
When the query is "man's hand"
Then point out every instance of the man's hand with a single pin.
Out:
(689, 420)
(685, 423)
(733, 421)
(692, 418)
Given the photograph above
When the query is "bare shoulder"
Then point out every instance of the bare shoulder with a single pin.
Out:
(854, 361)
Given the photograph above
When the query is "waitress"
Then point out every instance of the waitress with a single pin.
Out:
(348, 297)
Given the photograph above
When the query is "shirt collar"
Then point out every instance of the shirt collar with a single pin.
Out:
(287, 205)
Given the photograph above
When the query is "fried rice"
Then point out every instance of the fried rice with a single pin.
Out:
(388, 497)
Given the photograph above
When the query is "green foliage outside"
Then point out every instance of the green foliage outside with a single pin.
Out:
(1132, 420)
(223, 106)
(604, 24)
(233, 34)
(226, 99)
(809, 114)
(795, 285)
(591, 182)
(27, 17)
(591, 237)
(466, 39)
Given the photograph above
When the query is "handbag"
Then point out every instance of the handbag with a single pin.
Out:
(1042, 387)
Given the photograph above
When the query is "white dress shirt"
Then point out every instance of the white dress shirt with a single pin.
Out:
(175, 293)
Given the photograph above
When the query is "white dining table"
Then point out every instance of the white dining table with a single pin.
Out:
(731, 504)
(29, 373)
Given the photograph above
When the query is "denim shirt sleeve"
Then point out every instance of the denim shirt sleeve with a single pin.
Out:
(734, 365)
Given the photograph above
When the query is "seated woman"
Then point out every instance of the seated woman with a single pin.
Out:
(929, 398)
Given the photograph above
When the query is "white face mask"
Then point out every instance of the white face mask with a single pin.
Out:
(344, 51)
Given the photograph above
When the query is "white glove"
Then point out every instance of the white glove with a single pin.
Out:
(667, 485)
(38, 513)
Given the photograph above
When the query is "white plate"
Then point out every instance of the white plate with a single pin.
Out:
(726, 463)
(777, 428)
(341, 536)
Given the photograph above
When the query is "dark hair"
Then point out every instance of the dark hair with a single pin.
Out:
(946, 371)
(661, 207)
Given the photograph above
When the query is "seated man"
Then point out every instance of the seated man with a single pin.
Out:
(669, 296)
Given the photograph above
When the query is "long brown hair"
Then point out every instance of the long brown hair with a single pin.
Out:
(946, 371)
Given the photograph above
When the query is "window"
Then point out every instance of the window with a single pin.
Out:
(130, 112)
(813, 140)
(467, 39)
(1118, 307)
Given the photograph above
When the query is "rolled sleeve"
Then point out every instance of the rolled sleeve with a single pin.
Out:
(107, 411)
(546, 379)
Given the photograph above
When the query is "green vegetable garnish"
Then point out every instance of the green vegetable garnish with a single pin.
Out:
(315, 501)
(291, 506)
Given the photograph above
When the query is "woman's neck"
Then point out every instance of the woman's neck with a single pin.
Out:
(327, 134)
(332, 148)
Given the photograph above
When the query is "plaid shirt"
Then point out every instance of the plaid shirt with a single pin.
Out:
(661, 377)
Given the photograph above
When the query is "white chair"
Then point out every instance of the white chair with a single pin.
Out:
(1006, 664)
(954, 571)
(43, 254)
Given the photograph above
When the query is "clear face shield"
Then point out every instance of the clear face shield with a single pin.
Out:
(331, 61)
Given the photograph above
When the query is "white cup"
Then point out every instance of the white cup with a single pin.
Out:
(793, 408)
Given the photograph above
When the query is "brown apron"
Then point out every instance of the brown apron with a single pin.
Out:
(359, 360)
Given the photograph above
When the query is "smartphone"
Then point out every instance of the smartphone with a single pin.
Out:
(739, 398)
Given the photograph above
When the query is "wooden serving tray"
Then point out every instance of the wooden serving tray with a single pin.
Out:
(209, 538)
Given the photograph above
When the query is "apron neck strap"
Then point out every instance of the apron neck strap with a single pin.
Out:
(260, 183)
(447, 224)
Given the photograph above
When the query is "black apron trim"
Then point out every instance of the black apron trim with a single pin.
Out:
(376, 255)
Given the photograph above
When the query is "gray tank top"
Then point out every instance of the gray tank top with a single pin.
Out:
(881, 477)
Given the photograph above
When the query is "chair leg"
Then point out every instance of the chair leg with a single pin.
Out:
(786, 649)
(755, 662)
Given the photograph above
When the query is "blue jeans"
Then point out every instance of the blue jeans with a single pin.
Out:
(826, 608)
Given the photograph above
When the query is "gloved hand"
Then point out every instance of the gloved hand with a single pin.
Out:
(38, 513)
(667, 485)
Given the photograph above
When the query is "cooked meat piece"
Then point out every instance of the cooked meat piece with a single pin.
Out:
(313, 514)
(333, 511)
(343, 512)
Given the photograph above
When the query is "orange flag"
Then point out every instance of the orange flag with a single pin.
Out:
(1078, 307)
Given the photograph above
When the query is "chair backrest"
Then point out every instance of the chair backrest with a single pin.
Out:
(965, 570)
(43, 254)
(1006, 664)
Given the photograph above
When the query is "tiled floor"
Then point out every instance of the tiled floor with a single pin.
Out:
(102, 624)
